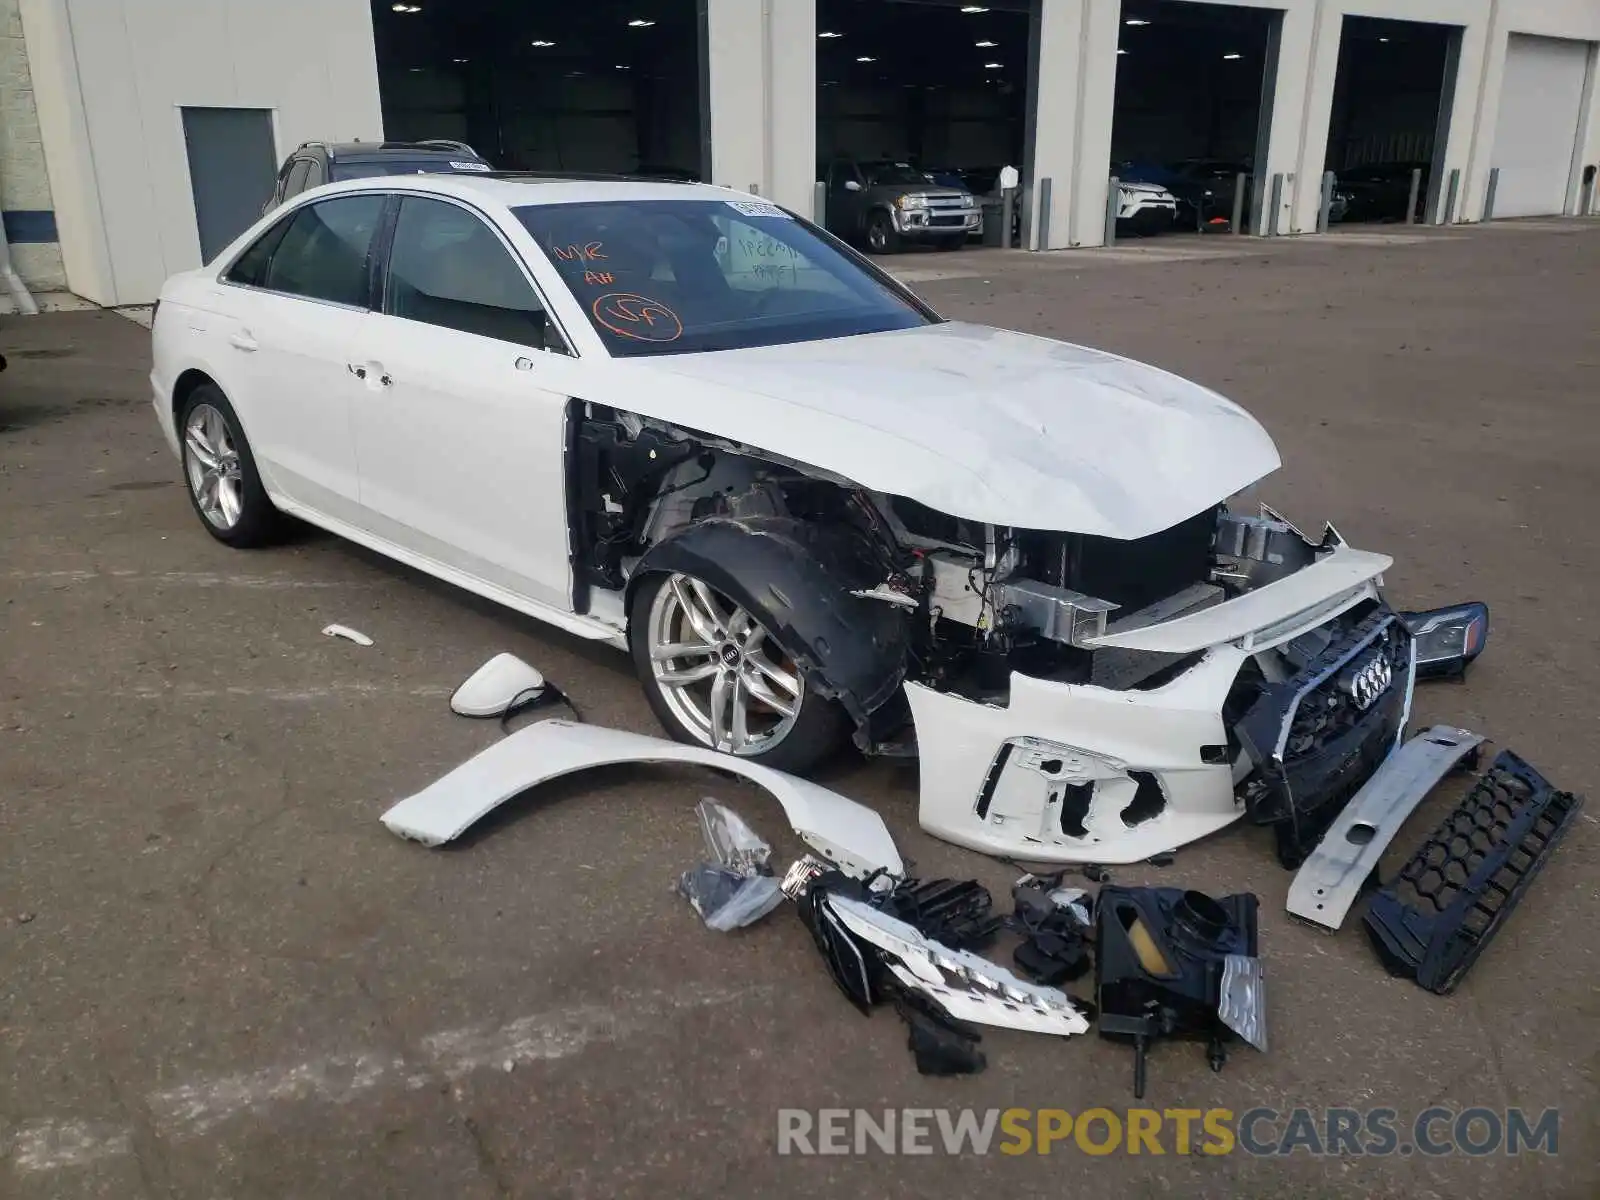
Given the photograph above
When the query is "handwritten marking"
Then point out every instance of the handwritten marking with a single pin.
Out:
(587, 252)
(597, 278)
(639, 317)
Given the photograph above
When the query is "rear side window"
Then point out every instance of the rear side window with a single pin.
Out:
(250, 268)
(297, 177)
(324, 251)
(448, 268)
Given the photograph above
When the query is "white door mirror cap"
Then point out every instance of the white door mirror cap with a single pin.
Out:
(505, 680)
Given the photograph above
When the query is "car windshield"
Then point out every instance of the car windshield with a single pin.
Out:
(679, 276)
(372, 168)
(893, 174)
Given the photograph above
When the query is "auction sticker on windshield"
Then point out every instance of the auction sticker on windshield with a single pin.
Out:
(466, 166)
(755, 208)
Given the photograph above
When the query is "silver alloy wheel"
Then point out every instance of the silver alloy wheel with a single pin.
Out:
(211, 461)
(719, 673)
(877, 236)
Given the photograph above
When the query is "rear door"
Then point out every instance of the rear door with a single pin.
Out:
(298, 316)
(461, 419)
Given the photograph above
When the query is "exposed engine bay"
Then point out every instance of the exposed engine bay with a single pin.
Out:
(884, 601)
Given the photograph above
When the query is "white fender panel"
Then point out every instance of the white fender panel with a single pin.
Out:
(845, 833)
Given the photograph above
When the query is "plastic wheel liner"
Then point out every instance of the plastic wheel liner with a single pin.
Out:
(1457, 890)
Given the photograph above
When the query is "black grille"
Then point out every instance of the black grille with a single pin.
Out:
(1316, 738)
(1434, 920)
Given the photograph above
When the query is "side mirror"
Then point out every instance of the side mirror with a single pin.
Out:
(1448, 639)
(850, 185)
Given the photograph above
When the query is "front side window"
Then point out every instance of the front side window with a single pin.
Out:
(449, 268)
(323, 253)
(679, 276)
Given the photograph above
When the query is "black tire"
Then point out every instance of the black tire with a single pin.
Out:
(820, 727)
(259, 523)
(881, 235)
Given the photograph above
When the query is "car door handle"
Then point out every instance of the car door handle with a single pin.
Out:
(243, 341)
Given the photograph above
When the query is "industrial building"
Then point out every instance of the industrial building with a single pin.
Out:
(118, 118)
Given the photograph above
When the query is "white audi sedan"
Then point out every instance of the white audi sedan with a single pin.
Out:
(692, 424)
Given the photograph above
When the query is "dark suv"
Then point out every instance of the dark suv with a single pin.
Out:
(315, 163)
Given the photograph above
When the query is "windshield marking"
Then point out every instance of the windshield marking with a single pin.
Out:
(576, 253)
(630, 315)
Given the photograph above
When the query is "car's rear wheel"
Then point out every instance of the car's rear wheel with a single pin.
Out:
(881, 235)
(224, 485)
(715, 677)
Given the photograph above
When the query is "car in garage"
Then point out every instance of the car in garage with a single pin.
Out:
(681, 421)
(1382, 191)
(313, 164)
(1144, 209)
(886, 204)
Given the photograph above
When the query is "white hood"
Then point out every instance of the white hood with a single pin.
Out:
(974, 422)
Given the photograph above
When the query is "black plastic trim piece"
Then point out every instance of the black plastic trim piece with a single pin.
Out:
(1434, 920)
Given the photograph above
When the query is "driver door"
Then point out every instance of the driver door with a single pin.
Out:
(460, 412)
(845, 205)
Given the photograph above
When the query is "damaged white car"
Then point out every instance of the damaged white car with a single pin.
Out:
(686, 422)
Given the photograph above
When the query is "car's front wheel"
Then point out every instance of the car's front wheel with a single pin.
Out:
(715, 677)
(881, 235)
(224, 485)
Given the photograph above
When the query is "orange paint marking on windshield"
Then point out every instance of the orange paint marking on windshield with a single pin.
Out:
(598, 278)
(587, 252)
(639, 317)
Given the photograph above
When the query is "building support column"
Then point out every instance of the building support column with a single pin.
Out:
(759, 96)
(1072, 54)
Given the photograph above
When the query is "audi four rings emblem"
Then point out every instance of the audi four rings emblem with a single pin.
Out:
(1370, 681)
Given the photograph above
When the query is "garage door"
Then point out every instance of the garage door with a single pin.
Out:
(1541, 102)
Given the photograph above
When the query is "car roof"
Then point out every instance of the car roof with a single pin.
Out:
(384, 149)
(520, 192)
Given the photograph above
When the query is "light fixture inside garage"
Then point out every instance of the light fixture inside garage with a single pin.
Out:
(1120, 50)
(640, 23)
(406, 8)
(829, 33)
(1231, 57)
(985, 45)
(542, 45)
(992, 66)
(1136, 21)
(973, 8)
(866, 58)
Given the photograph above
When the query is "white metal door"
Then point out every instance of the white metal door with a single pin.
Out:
(1541, 103)
(460, 442)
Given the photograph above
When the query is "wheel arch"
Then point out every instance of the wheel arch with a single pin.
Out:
(186, 385)
(797, 579)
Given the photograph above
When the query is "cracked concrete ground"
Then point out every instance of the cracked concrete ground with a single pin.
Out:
(219, 976)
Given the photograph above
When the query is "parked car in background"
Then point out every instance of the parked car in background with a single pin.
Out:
(886, 204)
(1381, 191)
(1144, 209)
(315, 163)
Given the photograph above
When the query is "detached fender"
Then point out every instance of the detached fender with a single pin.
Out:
(795, 578)
(847, 834)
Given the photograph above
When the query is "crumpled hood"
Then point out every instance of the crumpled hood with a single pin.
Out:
(980, 423)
